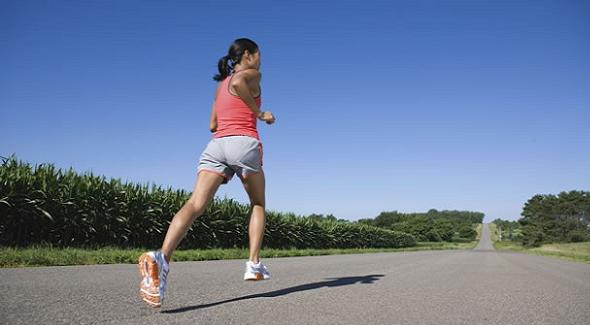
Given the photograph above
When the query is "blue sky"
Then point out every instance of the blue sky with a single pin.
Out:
(380, 105)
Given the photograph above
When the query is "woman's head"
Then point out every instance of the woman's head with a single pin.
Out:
(242, 51)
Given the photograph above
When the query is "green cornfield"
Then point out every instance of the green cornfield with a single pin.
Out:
(44, 205)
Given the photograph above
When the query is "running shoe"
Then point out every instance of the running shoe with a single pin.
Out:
(256, 271)
(154, 271)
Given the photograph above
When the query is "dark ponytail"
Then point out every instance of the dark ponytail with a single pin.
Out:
(225, 68)
(234, 55)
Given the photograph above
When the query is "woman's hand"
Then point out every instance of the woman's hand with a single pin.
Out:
(267, 117)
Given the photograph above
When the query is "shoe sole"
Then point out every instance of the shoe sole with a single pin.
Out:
(257, 277)
(147, 268)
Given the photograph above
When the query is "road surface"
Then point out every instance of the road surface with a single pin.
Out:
(479, 286)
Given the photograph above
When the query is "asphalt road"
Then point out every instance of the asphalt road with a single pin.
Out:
(479, 286)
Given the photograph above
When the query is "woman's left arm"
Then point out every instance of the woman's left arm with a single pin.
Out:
(213, 118)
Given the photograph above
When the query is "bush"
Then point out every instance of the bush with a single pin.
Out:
(433, 236)
(467, 233)
(460, 240)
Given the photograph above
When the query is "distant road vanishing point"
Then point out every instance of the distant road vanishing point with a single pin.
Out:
(479, 286)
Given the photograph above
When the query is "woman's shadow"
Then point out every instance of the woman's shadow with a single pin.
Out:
(330, 282)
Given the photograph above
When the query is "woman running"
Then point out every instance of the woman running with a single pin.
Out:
(234, 149)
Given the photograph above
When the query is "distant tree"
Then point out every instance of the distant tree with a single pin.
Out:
(532, 236)
(387, 219)
(321, 217)
(445, 228)
(556, 218)
(509, 230)
(366, 221)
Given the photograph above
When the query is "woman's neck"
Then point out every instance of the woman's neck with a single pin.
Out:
(239, 68)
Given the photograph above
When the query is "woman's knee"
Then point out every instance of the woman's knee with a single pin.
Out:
(197, 205)
(257, 204)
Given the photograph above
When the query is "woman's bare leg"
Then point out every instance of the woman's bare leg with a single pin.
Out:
(254, 185)
(206, 186)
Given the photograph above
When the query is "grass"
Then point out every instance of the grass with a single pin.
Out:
(52, 256)
(579, 252)
(478, 230)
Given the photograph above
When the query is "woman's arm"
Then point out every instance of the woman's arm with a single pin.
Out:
(213, 119)
(242, 84)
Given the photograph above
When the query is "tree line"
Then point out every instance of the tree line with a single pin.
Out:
(434, 225)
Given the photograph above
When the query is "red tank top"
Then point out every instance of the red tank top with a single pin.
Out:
(234, 117)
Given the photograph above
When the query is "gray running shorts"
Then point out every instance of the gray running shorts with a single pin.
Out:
(226, 156)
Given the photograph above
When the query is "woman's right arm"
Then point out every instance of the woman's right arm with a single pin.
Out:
(241, 84)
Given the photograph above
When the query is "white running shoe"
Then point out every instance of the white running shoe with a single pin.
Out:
(255, 272)
(154, 271)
